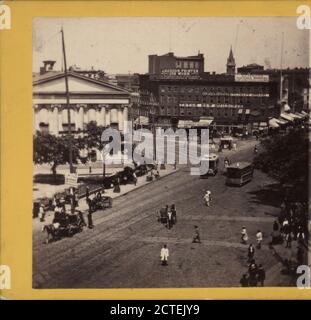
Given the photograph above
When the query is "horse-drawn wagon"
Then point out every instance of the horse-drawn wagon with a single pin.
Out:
(99, 203)
(64, 225)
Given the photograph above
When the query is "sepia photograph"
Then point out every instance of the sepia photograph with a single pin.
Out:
(170, 152)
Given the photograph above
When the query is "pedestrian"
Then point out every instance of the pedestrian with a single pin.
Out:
(90, 219)
(300, 235)
(300, 255)
(244, 236)
(288, 239)
(174, 213)
(169, 219)
(259, 238)
(116, 188)
(175, 165)
(252, 281)
(164, 254)
(251, 252)
(208, 198)
(87, 192)
(252, 271)
(244, 280)
(234, 146)
(41, 213)
(255, 150)
(275, 226)
(157, 174)
(261, 275)
(196, 238)
(135, 178)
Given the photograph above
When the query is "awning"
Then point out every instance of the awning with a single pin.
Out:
(304, 113)
(286, 117)
(203, 122)
(184, 124)
(142, 120)
(273, 123)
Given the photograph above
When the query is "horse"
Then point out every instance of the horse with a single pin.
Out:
(51, 230)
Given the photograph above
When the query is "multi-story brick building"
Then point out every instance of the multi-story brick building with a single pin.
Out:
(231, 100)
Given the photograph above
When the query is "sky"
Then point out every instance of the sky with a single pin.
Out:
(122, 45)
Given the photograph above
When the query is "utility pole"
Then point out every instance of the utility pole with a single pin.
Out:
(67, 104)
(281, 69)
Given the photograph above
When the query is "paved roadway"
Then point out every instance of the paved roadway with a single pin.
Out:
(124, 247)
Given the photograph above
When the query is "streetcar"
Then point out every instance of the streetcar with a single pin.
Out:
(239, 173)
(209, 165)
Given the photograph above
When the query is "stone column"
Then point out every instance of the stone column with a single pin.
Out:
(60, 119)
(120, 119)
(79, 117)
(99, 118)
(125, 115)
(108, 116)
(103, 114)
(86, 115)
(53, 123)
(35, 118)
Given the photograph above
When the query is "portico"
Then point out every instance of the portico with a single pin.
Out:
(90, 100)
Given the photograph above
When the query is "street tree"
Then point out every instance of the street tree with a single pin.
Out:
(285, 158)
(53, 150)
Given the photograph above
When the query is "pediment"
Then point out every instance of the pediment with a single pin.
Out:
(76, 84)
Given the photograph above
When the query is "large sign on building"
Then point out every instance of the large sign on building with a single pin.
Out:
(179, 74)
(251, 78)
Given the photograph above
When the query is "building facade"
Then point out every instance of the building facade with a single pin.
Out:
(231, 100)
(169, 65)
(90, 100)
(295, 84)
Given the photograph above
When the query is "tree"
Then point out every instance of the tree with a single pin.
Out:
(92, 139)
(285, 158)
(53, 150)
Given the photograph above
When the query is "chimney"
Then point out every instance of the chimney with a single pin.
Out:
(47, 66)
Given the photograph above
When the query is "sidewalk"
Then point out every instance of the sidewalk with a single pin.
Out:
(125, 189)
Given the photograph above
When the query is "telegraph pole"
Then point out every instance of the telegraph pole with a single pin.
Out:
(281, 71)
(67, 104)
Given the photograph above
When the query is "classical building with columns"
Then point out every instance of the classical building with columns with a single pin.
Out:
(90, 100)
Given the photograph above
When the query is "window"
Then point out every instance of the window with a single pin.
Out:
(186, 64)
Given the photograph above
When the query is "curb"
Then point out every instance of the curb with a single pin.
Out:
(139, 187)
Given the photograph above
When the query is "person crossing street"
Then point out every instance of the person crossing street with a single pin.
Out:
(196, 238)
(208, 198)
(164, 254)
(259, 238)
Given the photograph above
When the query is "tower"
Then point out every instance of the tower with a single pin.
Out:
(231, 63)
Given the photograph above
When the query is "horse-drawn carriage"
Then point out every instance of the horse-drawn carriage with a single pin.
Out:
(99, 203)
(64, 225)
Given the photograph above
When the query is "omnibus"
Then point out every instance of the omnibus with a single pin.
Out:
(213, 161)
(239, 173)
